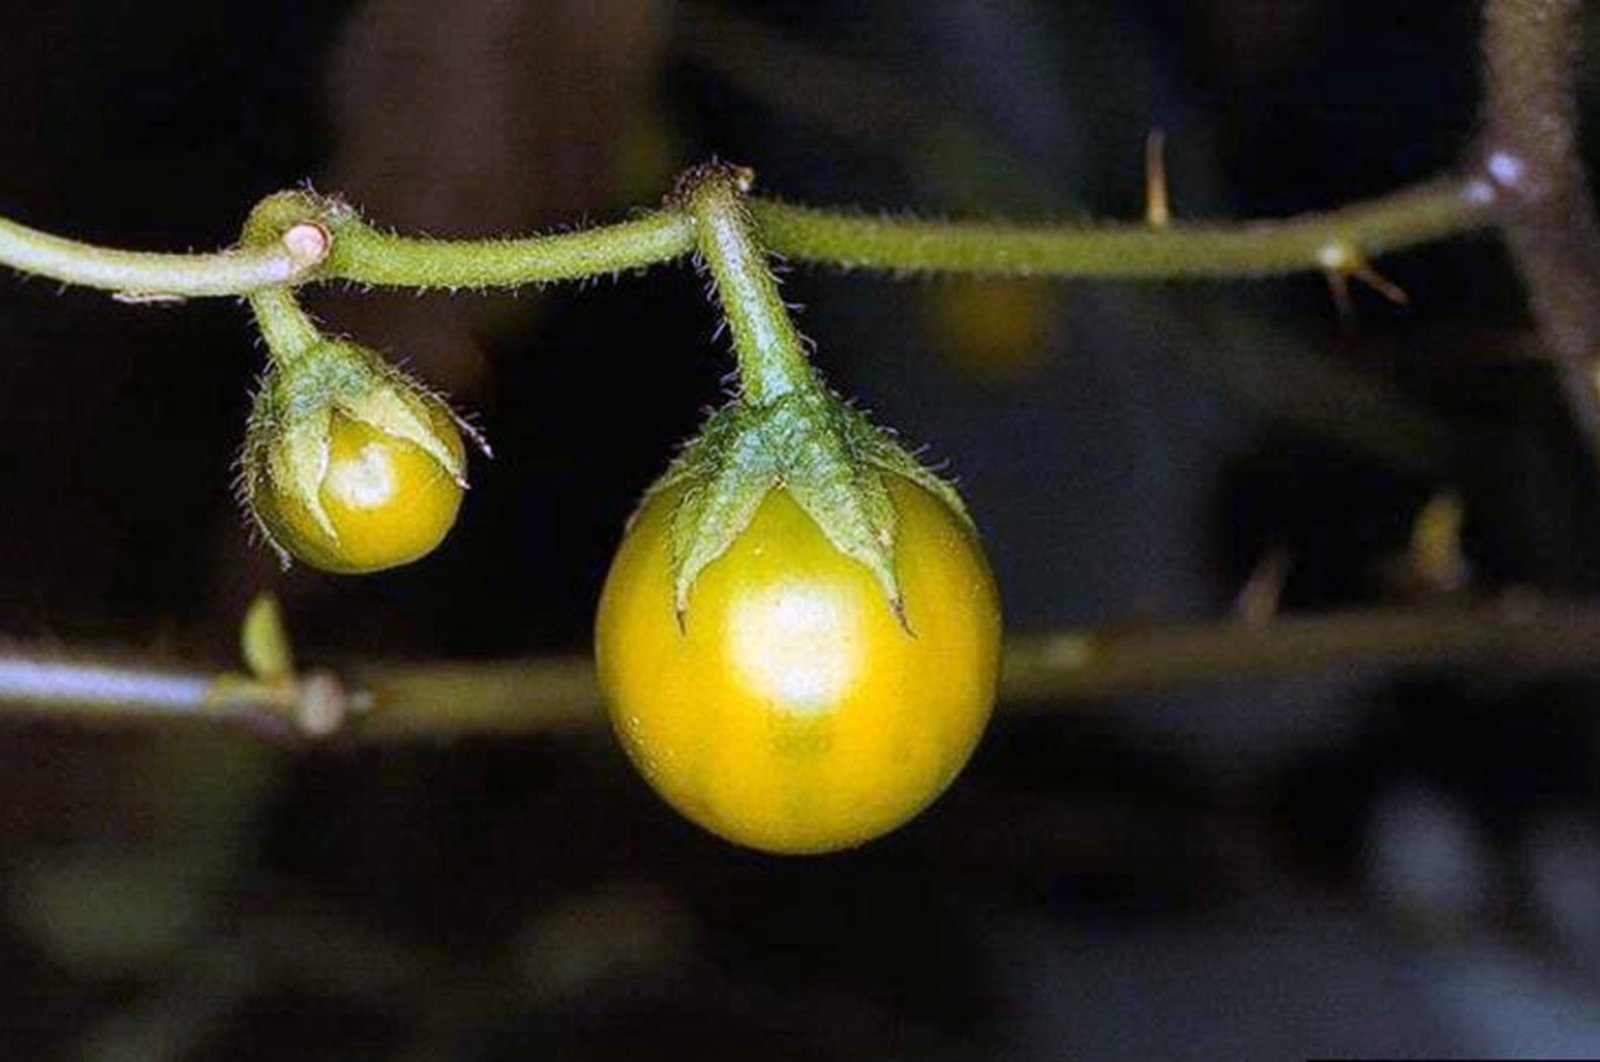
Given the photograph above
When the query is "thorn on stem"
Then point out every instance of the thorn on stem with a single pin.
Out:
(1381, 284)
(1157, 209)
(1262, 593)
(1339, 288)
(1434, 554)
(1342, 262)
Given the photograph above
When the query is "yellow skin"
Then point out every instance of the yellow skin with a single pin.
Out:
(390, 501)
(792, 712)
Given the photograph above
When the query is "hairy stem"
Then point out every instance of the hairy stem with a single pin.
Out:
(287, 330)
(356, 251)
(1431, 211)
(772, 361)
(148, 274)
(368, 256)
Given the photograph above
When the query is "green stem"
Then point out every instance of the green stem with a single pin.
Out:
(365, 255)
(368, 256)
(1431, 211)
(284, 325)
(147, 274)
(357, 252)
(772, 358)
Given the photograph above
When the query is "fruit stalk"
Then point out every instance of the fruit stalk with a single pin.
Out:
(771, 354)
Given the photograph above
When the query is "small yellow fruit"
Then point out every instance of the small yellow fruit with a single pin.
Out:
(792, 711)
(387, 501)
(350, 466)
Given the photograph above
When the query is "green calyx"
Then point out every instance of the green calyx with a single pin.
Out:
(785, 430)
(287, 448)
(827, 455)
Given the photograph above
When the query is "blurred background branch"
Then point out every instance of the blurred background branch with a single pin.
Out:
(1530, 150)
(1519, 636)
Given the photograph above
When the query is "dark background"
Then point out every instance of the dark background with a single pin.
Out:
(1328, 866)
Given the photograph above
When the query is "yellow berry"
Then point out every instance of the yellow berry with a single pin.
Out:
(789, 709)
(387, 501)
(348, 465)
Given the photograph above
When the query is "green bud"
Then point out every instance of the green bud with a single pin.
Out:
(349, 464)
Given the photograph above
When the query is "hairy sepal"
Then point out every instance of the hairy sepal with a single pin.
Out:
(287, 445)
(829, 457)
